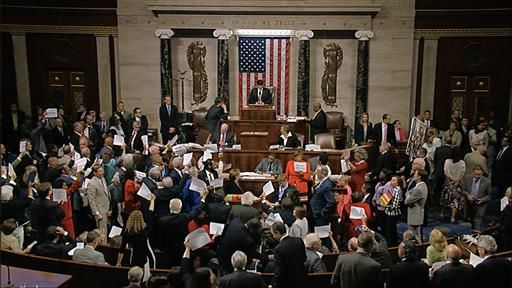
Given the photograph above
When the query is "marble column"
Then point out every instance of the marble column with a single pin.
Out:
(303, 72)
(428, 78)
(165, 62)
(223, 63)
(363, 49)
(19, 46)
(104, 75)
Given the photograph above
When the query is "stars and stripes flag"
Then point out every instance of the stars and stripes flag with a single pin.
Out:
(266, 59)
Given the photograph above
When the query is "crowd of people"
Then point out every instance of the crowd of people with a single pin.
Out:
(65, 182)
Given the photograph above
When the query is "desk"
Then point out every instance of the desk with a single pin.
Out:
(270, 126)
(253, 140)
(258, 112)
(31, 278)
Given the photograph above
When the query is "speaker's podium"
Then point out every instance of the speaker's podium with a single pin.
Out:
(258, 112)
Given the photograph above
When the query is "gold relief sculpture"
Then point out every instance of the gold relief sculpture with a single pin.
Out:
(196, 53)
(333, 55)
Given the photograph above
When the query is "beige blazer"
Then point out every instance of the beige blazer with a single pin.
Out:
(98, 195)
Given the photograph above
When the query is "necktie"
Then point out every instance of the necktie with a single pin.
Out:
(103, 127)
(132, 138)
(222, 138)
(500, 153)
(385, 133)
(61, 132)
(270, 167)
(169, 110)
(259, 94)
(475, 188)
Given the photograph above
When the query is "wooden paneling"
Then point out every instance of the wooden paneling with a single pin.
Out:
(8, 73)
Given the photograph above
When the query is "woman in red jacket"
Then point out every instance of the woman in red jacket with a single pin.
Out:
(131, 187)
(358, 169)
(67, 221)
(300, 178)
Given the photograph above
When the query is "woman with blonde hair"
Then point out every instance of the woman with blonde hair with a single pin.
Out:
(436, 252)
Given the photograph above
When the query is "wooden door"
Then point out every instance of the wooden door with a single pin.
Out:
(471, 95)
(67, 89)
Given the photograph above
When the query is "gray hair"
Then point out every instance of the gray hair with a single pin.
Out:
(323, 170)
(363, 153)
(155, 173)
(167, 182)
(311, 239)
(175, 206)
(7, 193)
(239, 260)
(192, 171)
(488, 243)
(135, 274)
(247, 198)
(177, 161)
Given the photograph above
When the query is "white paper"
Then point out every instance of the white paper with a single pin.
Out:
(115, 231)
(323, 231)
(10, 170)
(198, 238)
(80, 164)
(357, 213)
(504, 203)
(474, 259)
(77, 156)
(145, 141)
(249, 174)
(79, 245)
(173, 140)
(273, 147)
(86, 182)
(273, 218)
(299, 166)
(344, 166)
(144, 192)
(268, 188)
(217, 183)
(71, 147)
(211, 147)
(193, 146)
(179, 149)
(23, 144)
(236, 147)
(59, 195)
(216, 228)
(207, 155)
(226, 167)
(118, 140)
(197, 185)
(140, 175)
(312, 147)
(32, 244)
(51, 113)
(187, 158)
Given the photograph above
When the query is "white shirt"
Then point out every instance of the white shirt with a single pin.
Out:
(286, 139)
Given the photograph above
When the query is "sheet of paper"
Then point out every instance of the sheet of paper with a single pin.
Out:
(118, 140)
(86, 182)
(344, 166)
(187, 158)
(357, 213)
(32, 244)
(80, 164)
(77, 156)
(226, 167)
(217, 183)
(198, 238)
(268, 188)
(299, 166)
(249, 174)
(144, 192)
(207, 155)
(79, 245)
(312, 147)
(51, 113)
(474, 259)
(71, 146)
(273, 218)
(145, 140)
(273, 147)
(173, 140)
(139, 174)
(216, 228)
(211, 147)
(197, 185)
(23, 144)
(179, 149)
(503, 203)
(323, 231)
(115, 231)
(59, 195)
(10, 170)
(236, 147)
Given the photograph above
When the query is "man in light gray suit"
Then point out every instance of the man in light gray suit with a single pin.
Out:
(269, 165)
(476, 158)
(415, 200)
(477, 192)
(88, 253)
(99, 198)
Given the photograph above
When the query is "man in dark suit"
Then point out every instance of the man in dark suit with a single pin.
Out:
(78, 131)
(358, 269)
(168, 119)
(177, 175)
(91, 132)
(477, 192)
(290, 256)
(103, 124)
(502, 170)
(135, 277)
(55, 246)
(322, 202)
(59, 133)
(408, 270)
(492, 271)
(134, 140)
(384, 132)
(245, 211)
(241, 278)
(208, 174)
(217, 209)
(318, 123)
(442, 153)
(269, 165)
(385, 160)
(464, 129)
(260, 94)
(215, 114)
(454, 274)
(138, 116)
(223, 137)
(45, 212)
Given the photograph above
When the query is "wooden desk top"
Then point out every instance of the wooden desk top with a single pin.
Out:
(31, 278)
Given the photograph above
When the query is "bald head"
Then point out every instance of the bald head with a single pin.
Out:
(175, 206)
(453, 253)
(352, 244)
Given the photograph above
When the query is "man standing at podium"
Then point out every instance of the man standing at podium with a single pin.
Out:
(260, 94)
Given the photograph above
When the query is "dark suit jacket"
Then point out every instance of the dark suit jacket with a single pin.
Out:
(290, 256)
(502, 170)
(45, 213)
(230, 187)
(318, 124)
(228, 141)
(442, 153)
(454, 275)
(74, 139)
(292, 142)
(265, 96)
(377, 134)
(493, 272)
(52, 250)
(322, 200)
(359, 133)
(356, 270)
(243, 279)
(236, 237)
(243, 212)
(386, 160)
(137, 142)
(213, 117)
(58, 138)
(406, 272)
(167, 121)
(202, 175)
(143, 123)
(103, 130)
(218, 212)
(173, 229)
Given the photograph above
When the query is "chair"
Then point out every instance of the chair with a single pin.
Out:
(301, 139)
(326, 140)
(335, 125)
(199, 118)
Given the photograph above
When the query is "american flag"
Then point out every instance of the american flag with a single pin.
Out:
(266, 59)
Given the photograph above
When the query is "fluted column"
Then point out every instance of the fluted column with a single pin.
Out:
(19, 45)
(363, 49)
(303, 72)
(223, 63)
(165, 62)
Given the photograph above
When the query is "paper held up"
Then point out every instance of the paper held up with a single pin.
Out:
(115, 231)
(140, 175)
(145, 140)
(503, 203)
(187, 158)
(207, 155)
(51, 113)
(217, 183)
(357, 213)
(59, 195)
(323, 231)
(345, 167)
(179, 149)
(144, 192)
(10, 170)
(273, 218)
(23, 145)
(198, 238)
(216, 228)
(474, 259)
(268, 188)
(197, 185)
(211, 147)
(173, 140)
(80, 164)
(299, 166)
(118, 140)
